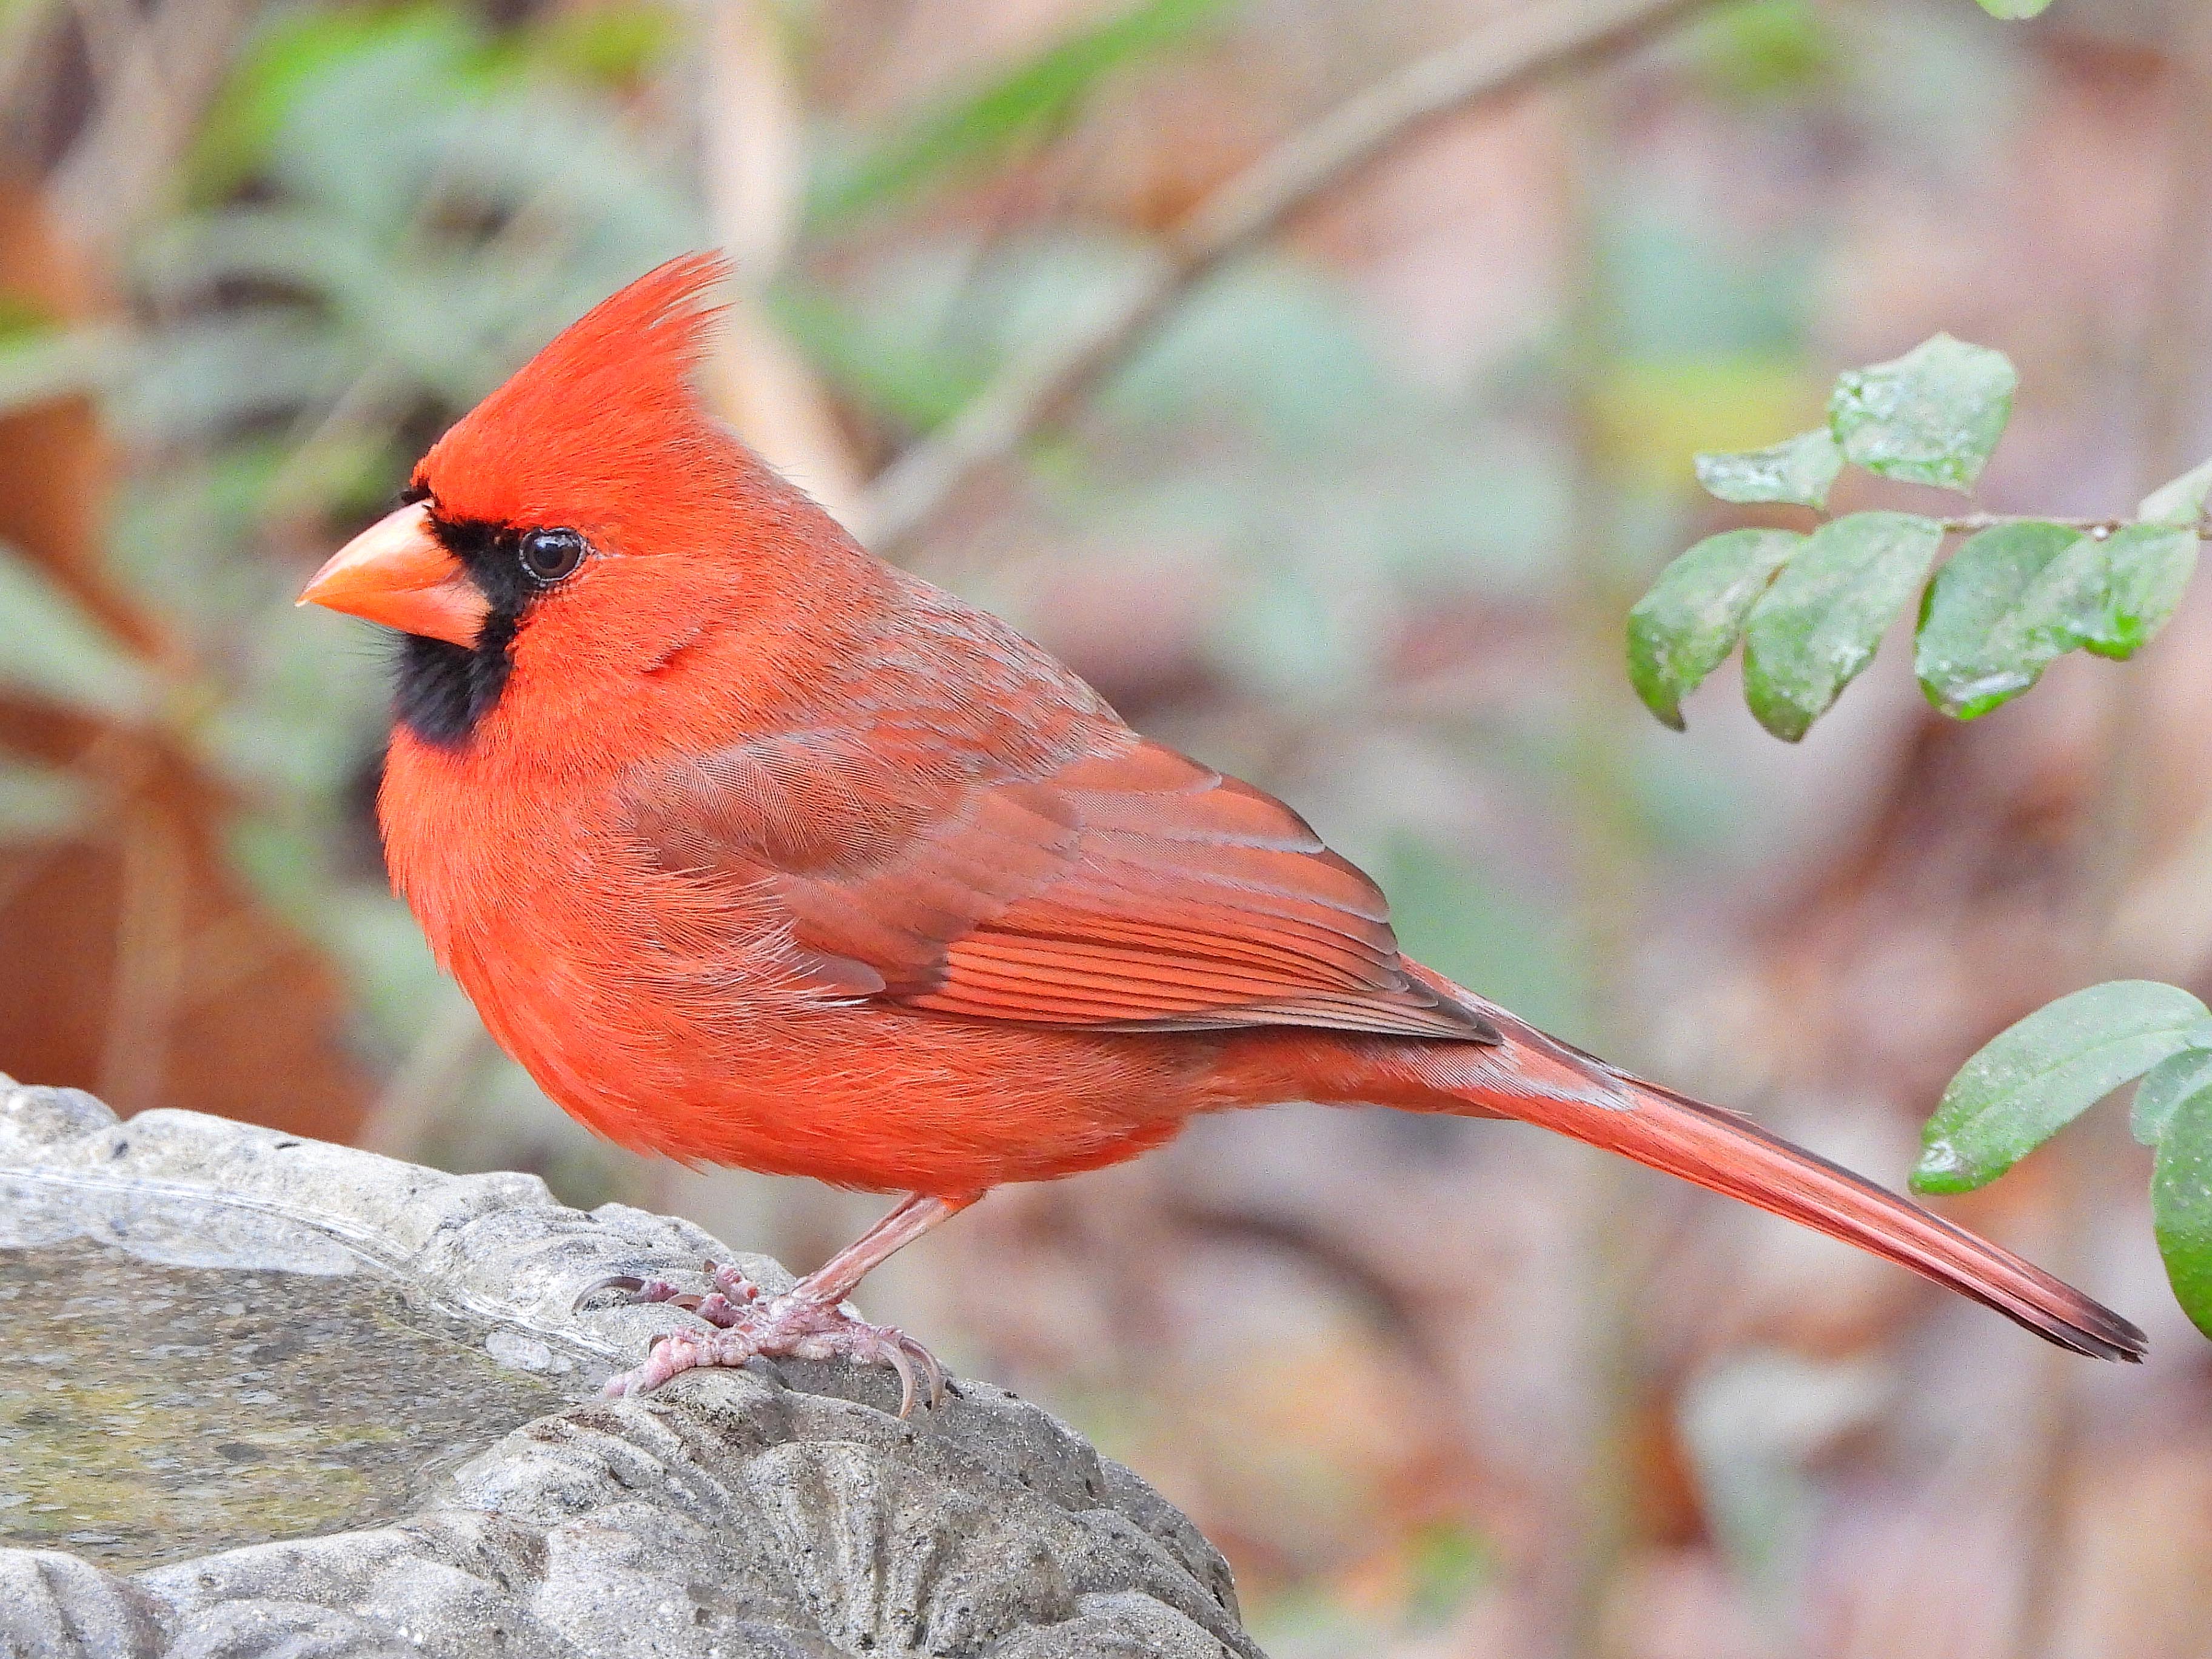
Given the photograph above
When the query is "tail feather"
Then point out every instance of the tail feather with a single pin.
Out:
(1726, 1152)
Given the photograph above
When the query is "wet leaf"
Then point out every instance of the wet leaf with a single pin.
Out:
(1818, 624)
(2037, 1077)
(1931, 416)
(2182, 500)
(2181, 1207)
(2164, 1088)
(1798, 469)
(2017, 598)
(1685, 626)
(2007, 605)
(2147, 570)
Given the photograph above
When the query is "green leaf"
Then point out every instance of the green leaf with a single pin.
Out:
(2164, 1088)
(1818, 626)
(2147, 568)
(1931, 416)
(1798, 469)
(993, 119)
(52, 648)
(1996, 617)
(2182, 500)
(2017, 598)
(2181, 1207)
(2014, 10)
(2033, 1080)
(1682, 629)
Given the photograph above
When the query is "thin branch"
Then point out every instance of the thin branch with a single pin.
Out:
(28, 45)
(2099, 527)
(1520, 48)
(1968, 523)
(157, 70)
(111, 35)
(445, 1059)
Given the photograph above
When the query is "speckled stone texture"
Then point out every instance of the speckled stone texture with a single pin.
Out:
(773, 1513)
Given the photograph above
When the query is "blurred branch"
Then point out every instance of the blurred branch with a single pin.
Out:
(1520, 48)
(111, 32)
(155, 72)
(1611, 858)
(1968, 523)
(149, 960)
(453, 1047)
(753, 122)
(25, 41)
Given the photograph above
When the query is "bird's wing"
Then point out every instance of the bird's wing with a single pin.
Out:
(1131, 888)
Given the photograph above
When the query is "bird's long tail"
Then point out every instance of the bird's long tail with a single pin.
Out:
(1536, 1079)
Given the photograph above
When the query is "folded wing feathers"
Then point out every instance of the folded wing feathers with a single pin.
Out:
(1134, 889)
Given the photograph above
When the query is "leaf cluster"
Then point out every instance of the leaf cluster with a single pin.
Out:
(2038, 1076)
(1810, 608)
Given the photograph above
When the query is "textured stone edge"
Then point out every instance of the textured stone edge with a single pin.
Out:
(499, 1248)
(496, 1246)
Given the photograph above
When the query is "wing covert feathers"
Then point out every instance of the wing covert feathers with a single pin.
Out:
(1131, 888)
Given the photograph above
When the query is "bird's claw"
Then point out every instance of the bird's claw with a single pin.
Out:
(792, 1326)
(725, 1304)
(730, 1289)
(635, 1290)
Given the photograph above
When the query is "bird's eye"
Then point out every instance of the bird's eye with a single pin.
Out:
(549, 554)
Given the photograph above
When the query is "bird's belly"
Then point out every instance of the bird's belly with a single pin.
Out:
(745, 1070)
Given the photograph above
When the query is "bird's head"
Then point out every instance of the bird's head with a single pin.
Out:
(579, 526)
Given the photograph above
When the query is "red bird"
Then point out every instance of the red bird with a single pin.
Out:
(754, 850)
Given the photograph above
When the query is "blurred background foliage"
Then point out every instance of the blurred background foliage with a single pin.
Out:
(1359, 516)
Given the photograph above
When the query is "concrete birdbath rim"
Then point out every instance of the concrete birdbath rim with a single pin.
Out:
(390, 1216)
(770, 1511)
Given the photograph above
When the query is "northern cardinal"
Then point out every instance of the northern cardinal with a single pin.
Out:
(754, 850)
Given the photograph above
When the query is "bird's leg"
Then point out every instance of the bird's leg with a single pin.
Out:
(808, 1320)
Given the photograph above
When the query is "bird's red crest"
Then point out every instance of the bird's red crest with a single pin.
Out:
(601, 430)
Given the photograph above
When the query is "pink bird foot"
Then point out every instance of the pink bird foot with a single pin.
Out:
(795, 1325)
(719, 1306)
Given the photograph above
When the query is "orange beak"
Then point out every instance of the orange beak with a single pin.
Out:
(398, 573)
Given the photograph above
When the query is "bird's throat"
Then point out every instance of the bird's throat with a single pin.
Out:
(442, 691)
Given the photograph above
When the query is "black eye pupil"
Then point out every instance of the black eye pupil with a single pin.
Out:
(549, 554)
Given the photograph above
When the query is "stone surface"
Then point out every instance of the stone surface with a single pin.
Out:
(399, 1320)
